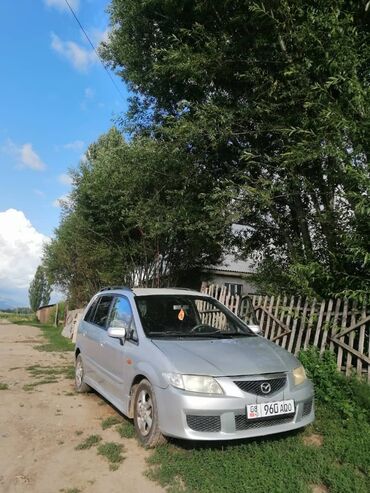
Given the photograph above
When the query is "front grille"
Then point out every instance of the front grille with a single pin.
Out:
(254, 386)
(242, 423)
(204, 423)
(307, 407)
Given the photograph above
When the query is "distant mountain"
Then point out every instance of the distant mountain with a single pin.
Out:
(6, 304)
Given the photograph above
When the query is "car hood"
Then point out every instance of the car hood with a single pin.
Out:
(226, 357)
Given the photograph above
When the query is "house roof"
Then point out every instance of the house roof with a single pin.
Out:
(46, 306)
(231, 262)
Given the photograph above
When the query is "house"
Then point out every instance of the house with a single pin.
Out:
(46, 313)
(232, 272)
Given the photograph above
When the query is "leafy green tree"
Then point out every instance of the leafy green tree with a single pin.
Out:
(271, 100)
(39, 290)
(139, 214)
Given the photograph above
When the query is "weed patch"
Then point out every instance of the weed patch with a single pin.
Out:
(4, 386)
(348, 397)
(113, 453)
(110, 421)
(126, 429)
(90, 441)
(28, 387)
(37, 371)
(47, 374)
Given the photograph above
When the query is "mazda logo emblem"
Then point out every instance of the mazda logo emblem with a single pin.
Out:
(265, 387)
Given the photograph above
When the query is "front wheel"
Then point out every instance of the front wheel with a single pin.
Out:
(80, 385)
(146, 416)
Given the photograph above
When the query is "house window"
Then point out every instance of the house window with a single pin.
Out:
(234, 288)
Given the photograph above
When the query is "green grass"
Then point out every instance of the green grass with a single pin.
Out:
(67, 371)
(4, 386)
(53, 335)
(24, 318)
(278, 464)
(28, 387)
(284, 463)
(126, 429)
(89, 442)
(47, 374)
(110, 421)
(113, 453)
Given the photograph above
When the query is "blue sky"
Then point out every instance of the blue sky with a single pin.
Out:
(55, 99)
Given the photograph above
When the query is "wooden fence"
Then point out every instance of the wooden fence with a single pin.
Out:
(295, 323)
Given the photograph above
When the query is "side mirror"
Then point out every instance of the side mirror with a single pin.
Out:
(117, 332)
(255, 328)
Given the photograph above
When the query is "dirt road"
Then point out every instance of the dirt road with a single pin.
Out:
(41, 424)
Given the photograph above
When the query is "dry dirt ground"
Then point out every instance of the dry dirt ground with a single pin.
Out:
(40, 428)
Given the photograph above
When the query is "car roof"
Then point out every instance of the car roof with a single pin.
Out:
(164, 291)
(152, 291)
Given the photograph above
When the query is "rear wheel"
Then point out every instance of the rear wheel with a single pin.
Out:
(80, 385)
(146, 416)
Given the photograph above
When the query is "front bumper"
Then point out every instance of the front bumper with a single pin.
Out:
(223, 417)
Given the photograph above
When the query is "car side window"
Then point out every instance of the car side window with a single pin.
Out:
(102, 311)
(121, 316)
(90, 311)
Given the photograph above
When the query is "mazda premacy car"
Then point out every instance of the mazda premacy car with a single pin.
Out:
(182, 365)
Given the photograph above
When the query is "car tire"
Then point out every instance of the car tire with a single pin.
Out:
(80, 385)
(146, 416)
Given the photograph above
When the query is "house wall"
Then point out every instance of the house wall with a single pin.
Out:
(221, 278)
(43, 315)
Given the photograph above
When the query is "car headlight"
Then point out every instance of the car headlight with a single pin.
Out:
(194, 383)
(299, 375)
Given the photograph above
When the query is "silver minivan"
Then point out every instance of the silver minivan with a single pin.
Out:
(182, 365)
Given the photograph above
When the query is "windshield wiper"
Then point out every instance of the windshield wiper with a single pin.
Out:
(216, 334)
(170, 333)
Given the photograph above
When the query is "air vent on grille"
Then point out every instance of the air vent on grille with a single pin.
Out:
(261, 387)
(307, 407)
(242, 423)
(204, 423)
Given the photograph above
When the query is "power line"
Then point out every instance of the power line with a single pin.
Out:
(95, 50)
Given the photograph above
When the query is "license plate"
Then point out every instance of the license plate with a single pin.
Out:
(270, 409)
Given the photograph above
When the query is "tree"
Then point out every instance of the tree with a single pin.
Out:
(139, 214)
(271, 100)
(39, 290)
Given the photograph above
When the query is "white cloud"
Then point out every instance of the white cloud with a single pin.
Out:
(62, 200)
(38, 192)
(25, 155)
(65, 179)
(99, 36)
(76, 145)
(62, 5)
(20, 250)
(30, 159)
(89, 93)
(80, 57)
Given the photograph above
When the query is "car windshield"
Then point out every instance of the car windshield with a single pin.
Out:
(188, 316)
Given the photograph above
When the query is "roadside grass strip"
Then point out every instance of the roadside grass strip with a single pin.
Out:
(113, 453)
(55, 341)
